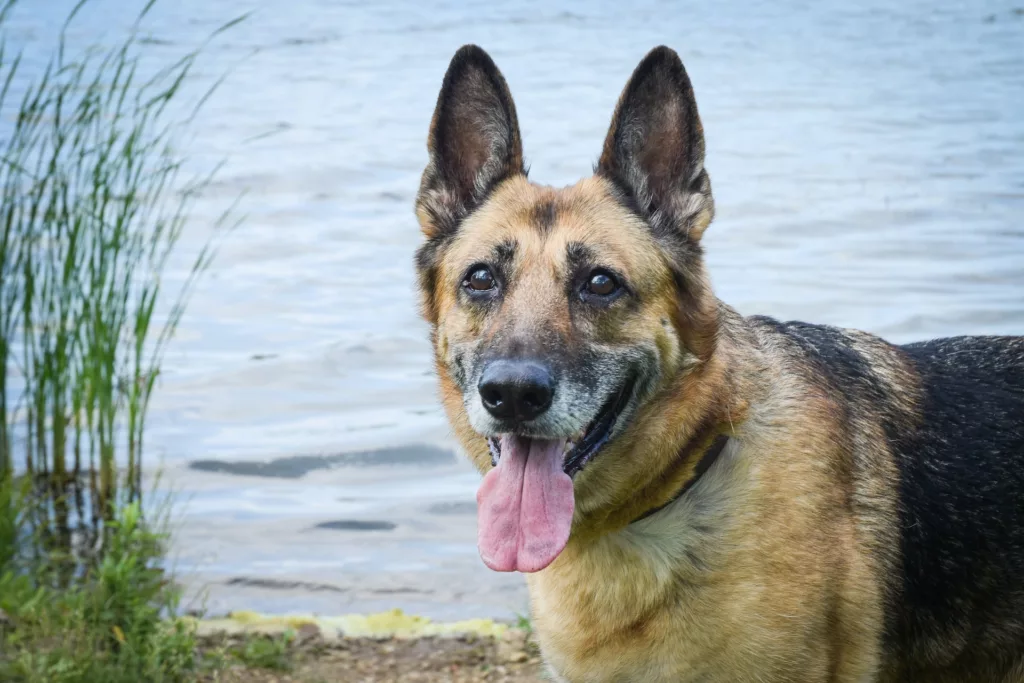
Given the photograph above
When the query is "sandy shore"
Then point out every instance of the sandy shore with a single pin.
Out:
(463, 659)
(389, 646)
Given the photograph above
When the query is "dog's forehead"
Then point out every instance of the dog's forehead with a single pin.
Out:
(533, 222)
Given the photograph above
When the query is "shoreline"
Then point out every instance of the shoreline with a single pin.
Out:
(394, 623)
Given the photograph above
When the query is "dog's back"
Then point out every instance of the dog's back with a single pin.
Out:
(951, 416)
(962, 509)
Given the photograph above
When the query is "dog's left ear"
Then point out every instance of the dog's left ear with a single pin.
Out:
(474, 142)
(655, 147)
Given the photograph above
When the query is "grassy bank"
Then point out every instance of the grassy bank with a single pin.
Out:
(106, 625)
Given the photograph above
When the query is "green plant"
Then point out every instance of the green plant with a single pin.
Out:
(266, 652)
(11, 524)
(93, 200)
(109, 626)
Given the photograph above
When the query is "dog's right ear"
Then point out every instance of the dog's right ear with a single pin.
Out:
(474, 142)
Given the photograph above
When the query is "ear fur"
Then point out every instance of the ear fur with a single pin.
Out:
(474, 142)
(654, 150)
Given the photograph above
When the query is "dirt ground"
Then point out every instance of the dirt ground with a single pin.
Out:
(464, 659)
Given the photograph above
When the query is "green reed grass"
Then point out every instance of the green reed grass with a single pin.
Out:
(93, 200)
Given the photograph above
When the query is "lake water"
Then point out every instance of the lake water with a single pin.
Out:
(867, 160)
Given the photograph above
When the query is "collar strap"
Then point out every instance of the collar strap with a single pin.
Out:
(703, 465)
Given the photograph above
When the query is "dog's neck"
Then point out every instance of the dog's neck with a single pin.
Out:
(709, 458)
(664, 453)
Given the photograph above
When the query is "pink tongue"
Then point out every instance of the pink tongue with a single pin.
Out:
(524, 506)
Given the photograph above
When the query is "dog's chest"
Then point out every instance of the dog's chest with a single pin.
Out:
(678, 598)
(656, 627)
(635, 609)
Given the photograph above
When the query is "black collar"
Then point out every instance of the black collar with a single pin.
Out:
(705, 462)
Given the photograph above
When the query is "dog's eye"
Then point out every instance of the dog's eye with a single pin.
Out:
(602, 283)
(480, 280)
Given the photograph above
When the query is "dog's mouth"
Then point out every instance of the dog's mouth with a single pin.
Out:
(580, 449)
(525, 503)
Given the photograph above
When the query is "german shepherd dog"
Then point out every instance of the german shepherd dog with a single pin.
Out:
(695, 495)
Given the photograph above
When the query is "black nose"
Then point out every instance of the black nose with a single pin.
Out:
(516, 389)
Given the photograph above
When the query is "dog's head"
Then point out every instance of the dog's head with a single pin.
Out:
(558, 315)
